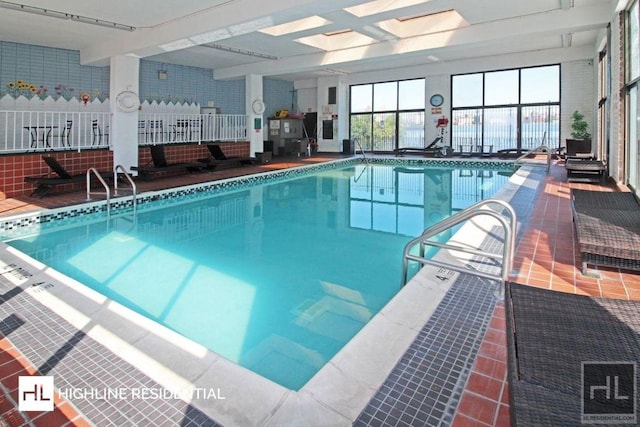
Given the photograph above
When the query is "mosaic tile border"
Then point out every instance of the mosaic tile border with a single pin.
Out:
(77, 361)
(427, 383)
(16, 226)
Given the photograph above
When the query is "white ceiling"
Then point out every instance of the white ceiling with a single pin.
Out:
(371, 37)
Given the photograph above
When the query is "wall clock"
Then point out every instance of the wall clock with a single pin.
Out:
(436, 100)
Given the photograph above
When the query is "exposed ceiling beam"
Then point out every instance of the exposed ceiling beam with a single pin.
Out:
(506, 30)
(228, 19)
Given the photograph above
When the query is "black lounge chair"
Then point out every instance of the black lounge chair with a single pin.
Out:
(512, 152)
(161, 165)
(607, 228)
(218, 158)
(435, 149)
(550, 335)
(585, 170)
(57, 176)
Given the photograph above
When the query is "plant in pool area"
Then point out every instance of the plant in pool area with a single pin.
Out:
(579, 126)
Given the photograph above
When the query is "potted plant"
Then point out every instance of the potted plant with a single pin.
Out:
(580, 142)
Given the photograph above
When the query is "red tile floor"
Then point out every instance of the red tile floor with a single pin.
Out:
(546, 257)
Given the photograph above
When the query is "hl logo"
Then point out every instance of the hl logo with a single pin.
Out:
(607, 389)
(609, 392)
(35, 393)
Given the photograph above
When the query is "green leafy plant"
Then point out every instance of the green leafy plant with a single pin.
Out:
(579, 126)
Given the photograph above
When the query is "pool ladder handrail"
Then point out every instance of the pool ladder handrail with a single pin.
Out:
(357, 142)
(134, 188)
(540, 149)
(508, 223)
(107, 190)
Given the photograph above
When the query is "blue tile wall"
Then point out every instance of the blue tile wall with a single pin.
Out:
(278, 94)
(52, 67)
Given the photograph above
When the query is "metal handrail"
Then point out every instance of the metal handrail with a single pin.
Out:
(134, 188)
(107, 190)
(357, 141)
(540, 149)
(508, 224)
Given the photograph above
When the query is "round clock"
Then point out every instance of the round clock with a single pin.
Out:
(436, 100)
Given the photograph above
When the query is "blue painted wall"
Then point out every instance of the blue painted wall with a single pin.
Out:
(51, 68)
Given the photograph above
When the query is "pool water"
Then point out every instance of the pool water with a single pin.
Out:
(276, 277)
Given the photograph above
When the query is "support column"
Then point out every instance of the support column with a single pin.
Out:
(343, 110)
(254, 110)
(124, 122)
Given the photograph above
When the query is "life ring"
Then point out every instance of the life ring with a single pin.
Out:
(127, 101)
(257, 106)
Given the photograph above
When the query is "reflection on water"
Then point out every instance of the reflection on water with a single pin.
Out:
(277, 277)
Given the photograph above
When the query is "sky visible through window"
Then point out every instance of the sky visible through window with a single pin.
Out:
(509, 87)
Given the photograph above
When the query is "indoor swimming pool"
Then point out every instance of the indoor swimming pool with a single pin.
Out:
(276, 275)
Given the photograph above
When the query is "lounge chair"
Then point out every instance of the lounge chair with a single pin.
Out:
(436, 148)
(607, 228)
(584, 170)
(554, 342)
(58, 175)
(512, 152)
(161, 165)
(218, 157)
(578, 148)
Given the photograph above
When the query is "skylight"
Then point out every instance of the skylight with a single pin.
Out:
(379, 6)
(296, 26)
(412, 26)
(343, 39)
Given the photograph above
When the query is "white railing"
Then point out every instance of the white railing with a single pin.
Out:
(39, 131)
(166, 128)
(35, 131)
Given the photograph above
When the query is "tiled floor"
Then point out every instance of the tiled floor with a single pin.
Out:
(546, 257)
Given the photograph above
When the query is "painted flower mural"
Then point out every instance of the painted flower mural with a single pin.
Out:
(30, 90)
(26, 89)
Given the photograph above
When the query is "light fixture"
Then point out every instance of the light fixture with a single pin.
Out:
(238, 51)
(64, 15)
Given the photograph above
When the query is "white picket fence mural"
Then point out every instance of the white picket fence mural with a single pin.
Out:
(34, 125)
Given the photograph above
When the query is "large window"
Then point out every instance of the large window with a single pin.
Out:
(389, 115)
(508, 109)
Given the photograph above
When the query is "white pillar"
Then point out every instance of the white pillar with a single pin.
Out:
(124, 124)
(255, 119)
(343, 110)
